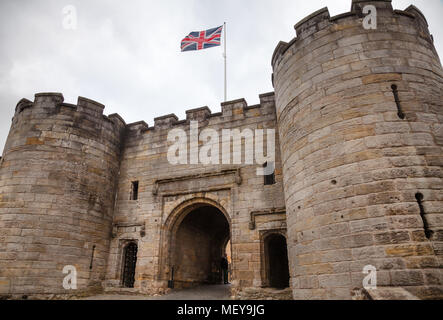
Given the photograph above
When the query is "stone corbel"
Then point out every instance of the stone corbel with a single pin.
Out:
(238, 178)
(142, 230)
(155, 188)
(114, 231)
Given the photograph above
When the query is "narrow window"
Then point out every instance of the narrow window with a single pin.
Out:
(428, 232)
(134, 190)
(400, 113)
(270, 178)
(92, 257)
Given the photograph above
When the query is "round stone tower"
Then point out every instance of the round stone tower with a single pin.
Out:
(360, 115)
(57, 187)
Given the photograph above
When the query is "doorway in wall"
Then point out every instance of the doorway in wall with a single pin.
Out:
(129, 264)
(276, 261)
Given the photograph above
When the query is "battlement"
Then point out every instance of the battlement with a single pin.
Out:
(230, 109)
(86, 115)
(413, 10)
(90, 107)
(115, 118)
(199, 114)
(49, 97)
(22, 105)
(91, 110)
(136, 128)
(321, 20)
(165, 121)
(54, 100)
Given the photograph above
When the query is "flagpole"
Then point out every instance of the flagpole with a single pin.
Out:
(224, 56)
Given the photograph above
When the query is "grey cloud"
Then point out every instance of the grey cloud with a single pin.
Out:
(125, 54)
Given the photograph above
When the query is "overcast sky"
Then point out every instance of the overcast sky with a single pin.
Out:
(126, 54)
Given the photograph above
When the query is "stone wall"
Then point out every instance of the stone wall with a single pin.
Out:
(356, 157)
(57, 181)
(168, 192)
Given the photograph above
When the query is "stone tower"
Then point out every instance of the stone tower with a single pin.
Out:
(58, 175)
(360, 116)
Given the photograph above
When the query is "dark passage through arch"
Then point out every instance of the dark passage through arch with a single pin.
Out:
(198, 245)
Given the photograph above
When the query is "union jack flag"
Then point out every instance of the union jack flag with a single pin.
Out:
(199, 40)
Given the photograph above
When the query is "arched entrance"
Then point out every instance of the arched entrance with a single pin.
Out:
(276, 254)
(198, 238)
(130, 261)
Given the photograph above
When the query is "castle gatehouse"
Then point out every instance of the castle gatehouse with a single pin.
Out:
(357, 180)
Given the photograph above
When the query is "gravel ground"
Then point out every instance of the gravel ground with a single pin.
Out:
(214, 292)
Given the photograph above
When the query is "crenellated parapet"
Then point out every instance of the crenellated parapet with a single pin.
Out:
(230, 110)
(329, 41)
(85, 109)
(137, 128)
(90, 113)
(321, 20)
